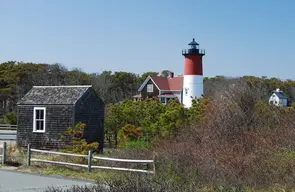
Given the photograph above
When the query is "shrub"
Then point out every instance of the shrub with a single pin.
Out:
(129, 133)
(77, 142)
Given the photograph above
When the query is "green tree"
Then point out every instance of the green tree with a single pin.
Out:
(165, 73)
(115, 120)
(172, 119)
(10, 118)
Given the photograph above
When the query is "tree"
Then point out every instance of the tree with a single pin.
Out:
(165, 73)
(145, 75)
(114, 120)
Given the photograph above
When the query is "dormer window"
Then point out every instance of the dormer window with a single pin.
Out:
(150, 88)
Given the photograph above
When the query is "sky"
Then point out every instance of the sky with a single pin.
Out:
(241, 37)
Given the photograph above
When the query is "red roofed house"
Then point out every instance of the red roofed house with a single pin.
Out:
(165, 88)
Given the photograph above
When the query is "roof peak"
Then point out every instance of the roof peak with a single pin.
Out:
(54, 95)
(193, 42)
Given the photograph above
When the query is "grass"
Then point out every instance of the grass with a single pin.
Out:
(137, 144)
(61, 170)
(68, 172)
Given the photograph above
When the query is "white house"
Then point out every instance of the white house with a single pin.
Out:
(278, 98)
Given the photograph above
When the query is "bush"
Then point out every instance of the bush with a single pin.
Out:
(76, 140)
(129, 133)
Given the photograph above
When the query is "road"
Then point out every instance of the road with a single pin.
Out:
(7, 135)
(29, 182)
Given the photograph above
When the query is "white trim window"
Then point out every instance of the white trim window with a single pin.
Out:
(39, 119)
(150, 88)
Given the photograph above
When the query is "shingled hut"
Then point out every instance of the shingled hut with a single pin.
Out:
(45, 112)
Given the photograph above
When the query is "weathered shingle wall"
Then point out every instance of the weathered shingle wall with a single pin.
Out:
(90, 110)
(58, 118)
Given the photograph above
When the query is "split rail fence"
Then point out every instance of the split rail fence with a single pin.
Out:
(3, 153)
(8, 132)
(90, 157)
(8, 127)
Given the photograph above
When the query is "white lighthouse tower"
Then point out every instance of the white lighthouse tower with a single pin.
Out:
(193, 74)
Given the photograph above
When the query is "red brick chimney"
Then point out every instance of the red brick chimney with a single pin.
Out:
(171, 74)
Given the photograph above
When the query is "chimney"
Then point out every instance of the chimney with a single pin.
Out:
(278, 90)
(171, 74)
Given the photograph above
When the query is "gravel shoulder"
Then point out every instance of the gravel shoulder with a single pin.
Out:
(11, 180)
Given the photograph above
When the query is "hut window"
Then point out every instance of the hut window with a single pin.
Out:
(39, 119)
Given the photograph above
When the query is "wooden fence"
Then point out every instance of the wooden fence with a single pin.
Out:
(3, 154)
(8, 127)
(8, 132)
(89, 157)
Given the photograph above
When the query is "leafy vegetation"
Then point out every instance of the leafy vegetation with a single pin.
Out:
(150, 119)
(231, 140)
(76, 141)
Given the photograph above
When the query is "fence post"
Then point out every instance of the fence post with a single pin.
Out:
(89, 160)
(154, 165)
(4, 153)
(29, 154)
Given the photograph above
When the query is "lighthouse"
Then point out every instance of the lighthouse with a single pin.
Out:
(193, 73)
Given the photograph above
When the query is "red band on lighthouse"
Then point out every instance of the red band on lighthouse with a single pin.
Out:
(193, 65)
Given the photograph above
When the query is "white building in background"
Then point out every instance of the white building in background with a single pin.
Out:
(278, 98)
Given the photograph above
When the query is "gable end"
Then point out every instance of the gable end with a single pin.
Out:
(143, 85)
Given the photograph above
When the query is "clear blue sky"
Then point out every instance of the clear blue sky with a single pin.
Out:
(241, 37)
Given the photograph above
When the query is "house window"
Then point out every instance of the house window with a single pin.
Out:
(39, 119)
(163, 100)
(186, 91)
(150, 88)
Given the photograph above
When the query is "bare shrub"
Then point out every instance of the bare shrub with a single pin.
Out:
(127, 182)
(236, 144)
(137, 154)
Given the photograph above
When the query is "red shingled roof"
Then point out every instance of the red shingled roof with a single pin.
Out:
(167, 83)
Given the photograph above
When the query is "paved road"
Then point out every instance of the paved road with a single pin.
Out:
(29, 182)
(7, 135)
